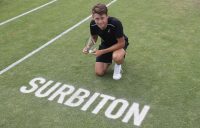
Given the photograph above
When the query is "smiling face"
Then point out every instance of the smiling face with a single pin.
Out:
(100, 20)
(99, 15)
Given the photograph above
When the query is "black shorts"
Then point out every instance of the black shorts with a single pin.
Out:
(107, 58)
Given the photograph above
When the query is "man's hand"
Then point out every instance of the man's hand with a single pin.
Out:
(85, 50)
(98, 53)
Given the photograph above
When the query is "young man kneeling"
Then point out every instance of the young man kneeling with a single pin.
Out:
(113, 41)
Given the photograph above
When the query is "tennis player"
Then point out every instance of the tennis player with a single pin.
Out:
(113, 41)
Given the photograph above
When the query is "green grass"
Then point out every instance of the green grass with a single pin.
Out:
(161, 68)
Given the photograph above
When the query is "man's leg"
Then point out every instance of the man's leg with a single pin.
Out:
(101, 68)
(118, 58)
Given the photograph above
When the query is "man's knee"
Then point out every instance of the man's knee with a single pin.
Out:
(118, 57)
(99, 72)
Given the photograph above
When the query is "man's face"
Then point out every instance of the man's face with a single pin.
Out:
(100, 20)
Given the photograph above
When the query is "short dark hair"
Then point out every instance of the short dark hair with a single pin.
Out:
(100, 9)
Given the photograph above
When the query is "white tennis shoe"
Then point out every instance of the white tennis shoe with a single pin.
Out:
(117, 72)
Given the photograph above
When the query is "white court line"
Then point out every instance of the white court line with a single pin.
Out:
(48, 43)
(7, 21)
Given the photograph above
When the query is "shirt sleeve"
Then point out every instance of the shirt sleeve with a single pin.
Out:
(119, 29)
(93, 29)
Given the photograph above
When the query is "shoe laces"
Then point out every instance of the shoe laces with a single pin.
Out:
(117, 69)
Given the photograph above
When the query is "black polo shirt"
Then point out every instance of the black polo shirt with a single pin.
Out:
(109, 35)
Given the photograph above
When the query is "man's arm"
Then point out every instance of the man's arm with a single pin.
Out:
(91, 42)
(94, 37)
